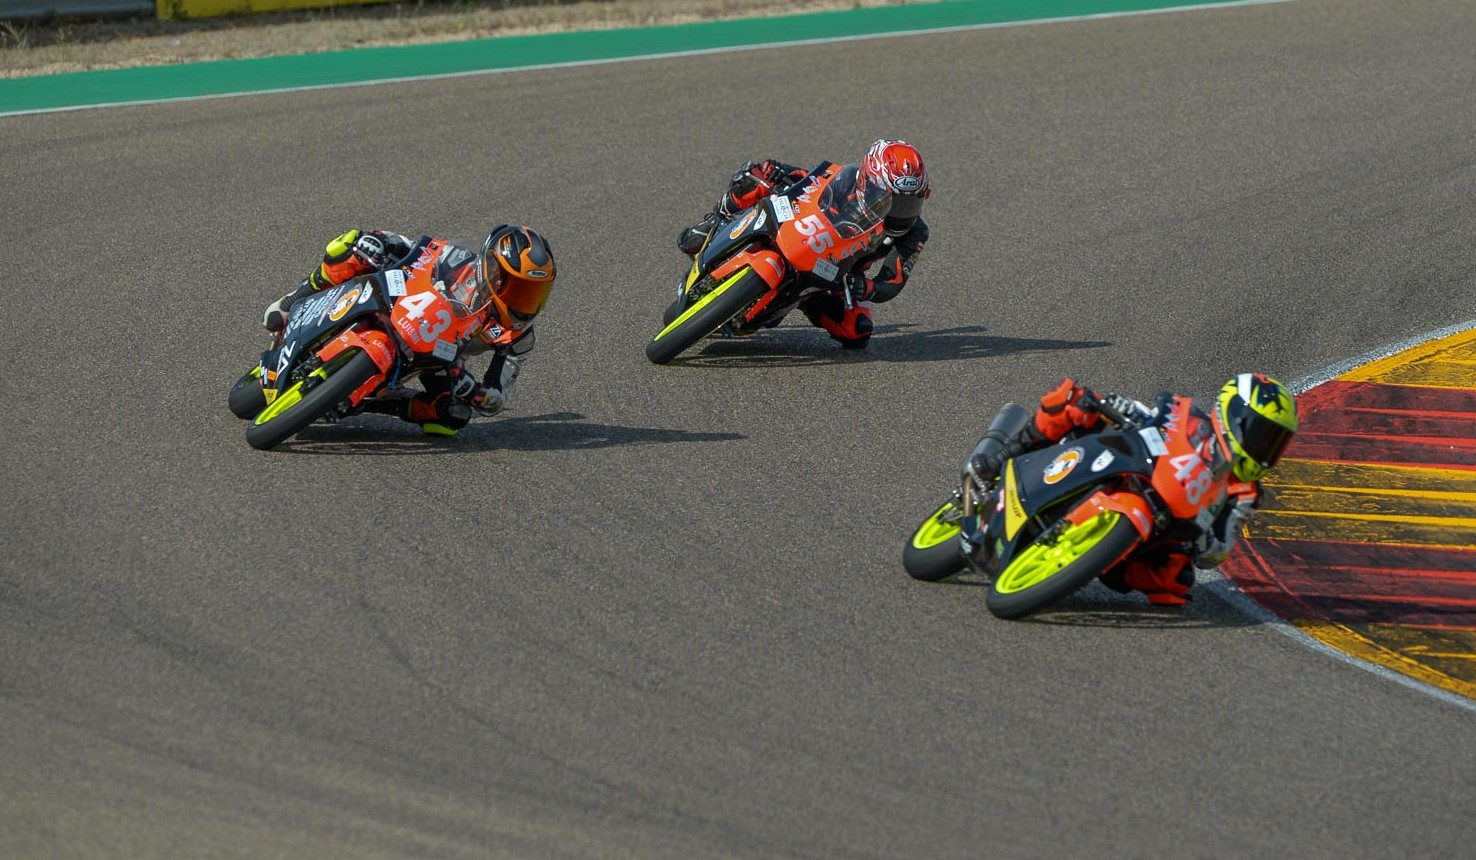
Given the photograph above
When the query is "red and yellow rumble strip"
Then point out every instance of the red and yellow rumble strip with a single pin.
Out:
(1367, 540)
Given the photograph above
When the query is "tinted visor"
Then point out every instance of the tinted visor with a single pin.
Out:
(1263, 440)
(524, 298)
(906, 207)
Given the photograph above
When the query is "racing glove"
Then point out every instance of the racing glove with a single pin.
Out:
(860, 287)
(498, 383)
(1065, 408)
(1214, 546)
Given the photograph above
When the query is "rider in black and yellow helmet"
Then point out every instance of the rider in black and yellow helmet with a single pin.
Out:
(1257, 418)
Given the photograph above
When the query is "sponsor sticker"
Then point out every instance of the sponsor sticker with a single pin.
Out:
(1154, 440)
(445, 350)
(345, 302)
(823, 268)
(742, 225)
(783, 209)
(1103, 460)
(1062, 465)
(394, 282)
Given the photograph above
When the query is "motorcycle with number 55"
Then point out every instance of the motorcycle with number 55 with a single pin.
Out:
(756, 268)
(362, 339)
(1064, 515)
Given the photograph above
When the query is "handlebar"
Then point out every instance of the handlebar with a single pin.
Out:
(1089, 400)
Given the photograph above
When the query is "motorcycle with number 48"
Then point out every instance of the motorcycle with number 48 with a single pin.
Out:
(363, 339)
(756, 268)
(1064, 515)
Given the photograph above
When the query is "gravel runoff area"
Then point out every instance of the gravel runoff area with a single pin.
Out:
(68, 45)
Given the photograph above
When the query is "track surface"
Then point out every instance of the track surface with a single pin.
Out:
(659, 612)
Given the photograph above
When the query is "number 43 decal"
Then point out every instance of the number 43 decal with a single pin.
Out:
(820, 238)
(416, 306)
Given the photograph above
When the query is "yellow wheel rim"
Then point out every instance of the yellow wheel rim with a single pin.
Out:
(703, 302)
(939, 528)
(1040, 562)
(286, 400)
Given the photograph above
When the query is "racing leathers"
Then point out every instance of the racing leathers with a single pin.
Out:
(1165, 572)
(452, 395)
(896, 254)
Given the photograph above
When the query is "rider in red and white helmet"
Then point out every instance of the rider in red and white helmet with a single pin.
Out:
(894, 164)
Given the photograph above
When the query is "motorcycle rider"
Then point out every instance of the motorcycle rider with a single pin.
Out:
(1253, 420)
(895, 165)
(514, 269)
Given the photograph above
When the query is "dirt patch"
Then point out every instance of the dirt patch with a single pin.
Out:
(66, 45)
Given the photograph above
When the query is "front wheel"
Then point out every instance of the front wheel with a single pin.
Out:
(934, 553)
(247, 399)
(310, 399)
(1048, 571)
(707, 314)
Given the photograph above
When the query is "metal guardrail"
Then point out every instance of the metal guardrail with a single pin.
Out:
(14, 10)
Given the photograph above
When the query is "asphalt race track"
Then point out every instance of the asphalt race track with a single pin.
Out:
(660, 612)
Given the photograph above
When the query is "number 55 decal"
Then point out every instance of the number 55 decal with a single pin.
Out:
(820, 238)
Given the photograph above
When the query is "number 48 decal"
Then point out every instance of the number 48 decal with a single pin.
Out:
(1191, 472)
(820, 238)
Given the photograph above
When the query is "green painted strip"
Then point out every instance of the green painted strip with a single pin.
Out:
(340, 68)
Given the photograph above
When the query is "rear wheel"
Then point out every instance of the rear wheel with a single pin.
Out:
(247, 399)
(707, 314)
(1048, 571)
(933, 553)
(310, 399)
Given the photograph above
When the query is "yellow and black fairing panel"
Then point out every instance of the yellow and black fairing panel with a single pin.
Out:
(1056, 478)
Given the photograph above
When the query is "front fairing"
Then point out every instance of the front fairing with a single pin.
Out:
(317, 318)
(1037, 484)
(754, 223)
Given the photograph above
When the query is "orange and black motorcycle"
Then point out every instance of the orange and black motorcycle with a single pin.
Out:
(364, 338)
(756, 268)
(1064, 515)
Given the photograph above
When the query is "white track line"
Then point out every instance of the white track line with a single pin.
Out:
(1228, 4)
(1224, 589)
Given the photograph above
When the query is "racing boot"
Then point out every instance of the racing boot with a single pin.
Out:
(694, 237)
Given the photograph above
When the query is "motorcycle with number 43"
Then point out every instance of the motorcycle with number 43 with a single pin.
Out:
(363, 339)
(756, 268)
(1064, 515)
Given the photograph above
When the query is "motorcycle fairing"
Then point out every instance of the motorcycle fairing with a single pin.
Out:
(1025, 491)
(757, 220)
(316, 316)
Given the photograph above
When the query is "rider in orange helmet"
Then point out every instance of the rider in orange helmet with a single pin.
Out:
(894, 164)
(508, 280)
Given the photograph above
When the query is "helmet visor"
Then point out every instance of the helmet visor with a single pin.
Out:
(906, 207)
(1262, 439)
(524, 298)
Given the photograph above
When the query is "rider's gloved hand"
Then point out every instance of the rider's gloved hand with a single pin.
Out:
(370, 248)
(860, 287)
(1065, 408)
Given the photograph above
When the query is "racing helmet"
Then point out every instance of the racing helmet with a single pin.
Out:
(517, 265)
(897, 166)
(1257, 418)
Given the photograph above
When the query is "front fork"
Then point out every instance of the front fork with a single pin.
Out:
(973, 544)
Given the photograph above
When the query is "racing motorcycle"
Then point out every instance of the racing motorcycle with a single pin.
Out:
(1064, 515)
(756, 268)
(363, 339)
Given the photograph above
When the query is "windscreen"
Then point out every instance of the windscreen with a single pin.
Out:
(852, 204)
